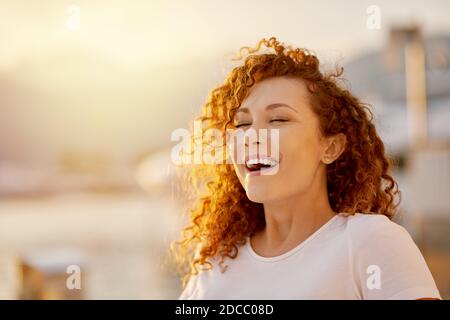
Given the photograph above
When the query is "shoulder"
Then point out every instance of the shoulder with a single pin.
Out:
(383, 252)
(371, 226)
(375, 239)
(375, 235)
(370, 220)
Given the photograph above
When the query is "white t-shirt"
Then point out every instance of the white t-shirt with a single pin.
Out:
(365, 256)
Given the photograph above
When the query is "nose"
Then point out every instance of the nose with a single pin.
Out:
(256, 142)
(257, 136)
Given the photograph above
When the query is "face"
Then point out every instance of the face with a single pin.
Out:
(278, 103)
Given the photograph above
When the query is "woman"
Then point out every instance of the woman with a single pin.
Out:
(319, 226)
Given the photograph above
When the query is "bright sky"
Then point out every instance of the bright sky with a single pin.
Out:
(155, 32)
(133, 71)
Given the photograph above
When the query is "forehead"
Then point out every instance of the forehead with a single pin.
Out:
(288, 90)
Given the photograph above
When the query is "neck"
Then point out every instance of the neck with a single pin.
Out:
(292, 220)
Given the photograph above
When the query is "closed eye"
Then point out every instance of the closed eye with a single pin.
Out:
(238, 125)
(278, 120)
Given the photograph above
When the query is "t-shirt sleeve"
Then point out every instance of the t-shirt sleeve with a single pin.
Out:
(386, 263)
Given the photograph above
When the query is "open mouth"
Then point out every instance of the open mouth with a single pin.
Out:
(261, 165)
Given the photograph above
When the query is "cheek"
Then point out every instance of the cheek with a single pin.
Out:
(240, 171)
(301, 154)
(238, 168)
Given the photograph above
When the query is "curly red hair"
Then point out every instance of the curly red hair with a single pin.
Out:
(358, 181)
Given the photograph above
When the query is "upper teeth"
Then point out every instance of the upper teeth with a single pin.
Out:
(263, 161)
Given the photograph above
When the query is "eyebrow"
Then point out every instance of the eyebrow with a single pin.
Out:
(268, 107)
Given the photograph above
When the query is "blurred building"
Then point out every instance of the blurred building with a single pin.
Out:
(378, 77)
(115, 221)
(422, 171)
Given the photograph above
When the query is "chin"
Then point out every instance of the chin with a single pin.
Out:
(260, 194)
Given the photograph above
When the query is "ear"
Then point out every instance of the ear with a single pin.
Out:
(333, 147)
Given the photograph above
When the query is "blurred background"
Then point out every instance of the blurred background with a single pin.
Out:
(90, 92)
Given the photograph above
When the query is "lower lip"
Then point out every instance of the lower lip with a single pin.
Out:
(258, 172)
(253, 173)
